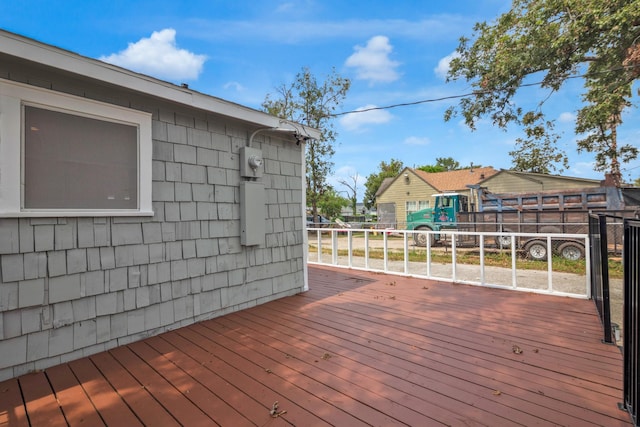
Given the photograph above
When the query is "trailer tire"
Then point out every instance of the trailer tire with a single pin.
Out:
(571, 250)
(504, 240)
(420, 239)
(536, 250)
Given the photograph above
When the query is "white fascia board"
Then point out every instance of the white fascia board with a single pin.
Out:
(32, 50)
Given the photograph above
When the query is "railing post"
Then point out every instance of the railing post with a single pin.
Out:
(406, 252)
(631, 252)
(350, 247)
(385, 246)
(596, 273)
(319, 239)
(514, 261)
(549, 264)
(429, 253)
(366, 249)
(604, 259)
(482, 278)
(587, 259)
(454, 259)
(334, 247)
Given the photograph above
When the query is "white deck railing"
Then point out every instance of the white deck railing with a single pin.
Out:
(336, 247)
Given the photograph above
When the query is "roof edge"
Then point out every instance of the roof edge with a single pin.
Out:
(52, 56)
(535, 174)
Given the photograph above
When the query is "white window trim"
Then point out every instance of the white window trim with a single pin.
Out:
(423, 204)
(12, 96)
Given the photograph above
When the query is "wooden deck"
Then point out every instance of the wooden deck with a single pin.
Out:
(357, 349)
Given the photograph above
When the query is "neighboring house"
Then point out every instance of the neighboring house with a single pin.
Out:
(361, 210)
(130, 206)
(508, 181)
(413, 190)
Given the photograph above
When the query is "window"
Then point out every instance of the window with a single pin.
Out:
(447, 202)
(67, 156)
(412, 206)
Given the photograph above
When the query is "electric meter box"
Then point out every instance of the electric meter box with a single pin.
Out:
(252, 213)
(251, 162)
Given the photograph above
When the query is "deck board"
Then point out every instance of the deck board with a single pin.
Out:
(12, 407)
(208, 389)
(75, 403)
(357, 349)
(42, 405)
(142, 403)
(150, 375)
(450, 362)
(252, 379)
(107, 401)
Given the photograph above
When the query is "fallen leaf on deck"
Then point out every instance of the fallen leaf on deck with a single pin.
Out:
(274, 410)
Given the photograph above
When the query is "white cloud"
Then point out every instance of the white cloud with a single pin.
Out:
(372, 61)
(159, 56)
(235, 86)
(345, 172)
(286, 7)
(415, 140)
(567, 117)
(355, 121)
(584, 169)
(443, 65)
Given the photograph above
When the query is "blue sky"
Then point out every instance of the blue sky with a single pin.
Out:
(393, 51)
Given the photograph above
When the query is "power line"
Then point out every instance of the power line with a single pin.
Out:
(474, 93)
(404, 104)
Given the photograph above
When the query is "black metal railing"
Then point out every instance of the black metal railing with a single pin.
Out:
(631, 339)
(600, 272)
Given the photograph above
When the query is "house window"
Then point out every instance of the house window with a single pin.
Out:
(76, 162)
(69, 156)
(415, 206)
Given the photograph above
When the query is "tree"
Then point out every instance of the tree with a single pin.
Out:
(385, 170)
(432, 168)
(448, 163)
(556, 40)
(353, 189)
(538, 152)
(312, 103)
(443, 164)
(332, 203)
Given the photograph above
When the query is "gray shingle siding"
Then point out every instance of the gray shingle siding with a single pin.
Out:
(74, 286)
